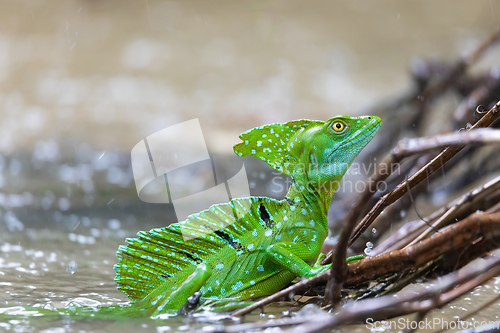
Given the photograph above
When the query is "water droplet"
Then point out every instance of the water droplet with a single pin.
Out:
(368, 251)
(114, 224)
(402, 213)
(374, 231)
(46, 151)
(12, 222)
(64, 203)
(369, 245)
(71, 268)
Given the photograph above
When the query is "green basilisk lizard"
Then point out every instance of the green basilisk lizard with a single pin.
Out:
(251, 246)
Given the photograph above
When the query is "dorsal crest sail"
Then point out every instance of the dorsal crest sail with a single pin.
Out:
(166, 254)
(273, 143)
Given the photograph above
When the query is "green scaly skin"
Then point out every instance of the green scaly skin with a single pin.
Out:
(248, 247)
(252, 246)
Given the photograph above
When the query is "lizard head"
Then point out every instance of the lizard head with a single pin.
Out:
(309, 150)
(327, 151)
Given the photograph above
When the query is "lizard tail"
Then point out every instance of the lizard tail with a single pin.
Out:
(174, 252)
(153, 258)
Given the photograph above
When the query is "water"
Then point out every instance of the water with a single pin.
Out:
(81, 82)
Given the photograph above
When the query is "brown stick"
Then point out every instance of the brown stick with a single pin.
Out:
(389, 307)
(420, 175)
(412, 146)
(458, 69)
(339, 272)
(457, 236)
(350, 220)
(386, 307)
(407, 148)
(420, 145)
(283, 293)
(450, 212)
(404, 235)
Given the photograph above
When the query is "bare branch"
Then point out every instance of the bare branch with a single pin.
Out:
(421, 145)
(453, 210)
(420, 175)
(425, 299)
(457, 236)
(339, 271)
(444, 215)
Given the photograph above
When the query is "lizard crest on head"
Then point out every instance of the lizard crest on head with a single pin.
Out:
(316, 150)
(274, 144)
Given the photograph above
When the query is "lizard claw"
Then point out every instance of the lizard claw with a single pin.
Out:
(320, 259)
(318, 269)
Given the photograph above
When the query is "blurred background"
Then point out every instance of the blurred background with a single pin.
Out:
(108, 73)
(81, 82)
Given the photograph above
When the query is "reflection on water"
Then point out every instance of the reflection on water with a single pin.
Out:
(81, 82)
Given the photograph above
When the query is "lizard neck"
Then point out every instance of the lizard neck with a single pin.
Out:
(316, 199)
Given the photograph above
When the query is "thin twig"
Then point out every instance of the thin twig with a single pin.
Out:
(421, 145)
(339, 272)
(492, 115)
(411, 147)
(409, 232)
(389, 162)
(453, 210)
(282, 293)
(389, 306)
(381, 308)
(458, 235)
(458, 69)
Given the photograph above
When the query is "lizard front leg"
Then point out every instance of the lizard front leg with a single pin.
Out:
(290, 255)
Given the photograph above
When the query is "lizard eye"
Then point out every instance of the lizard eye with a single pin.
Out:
(338, 126)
